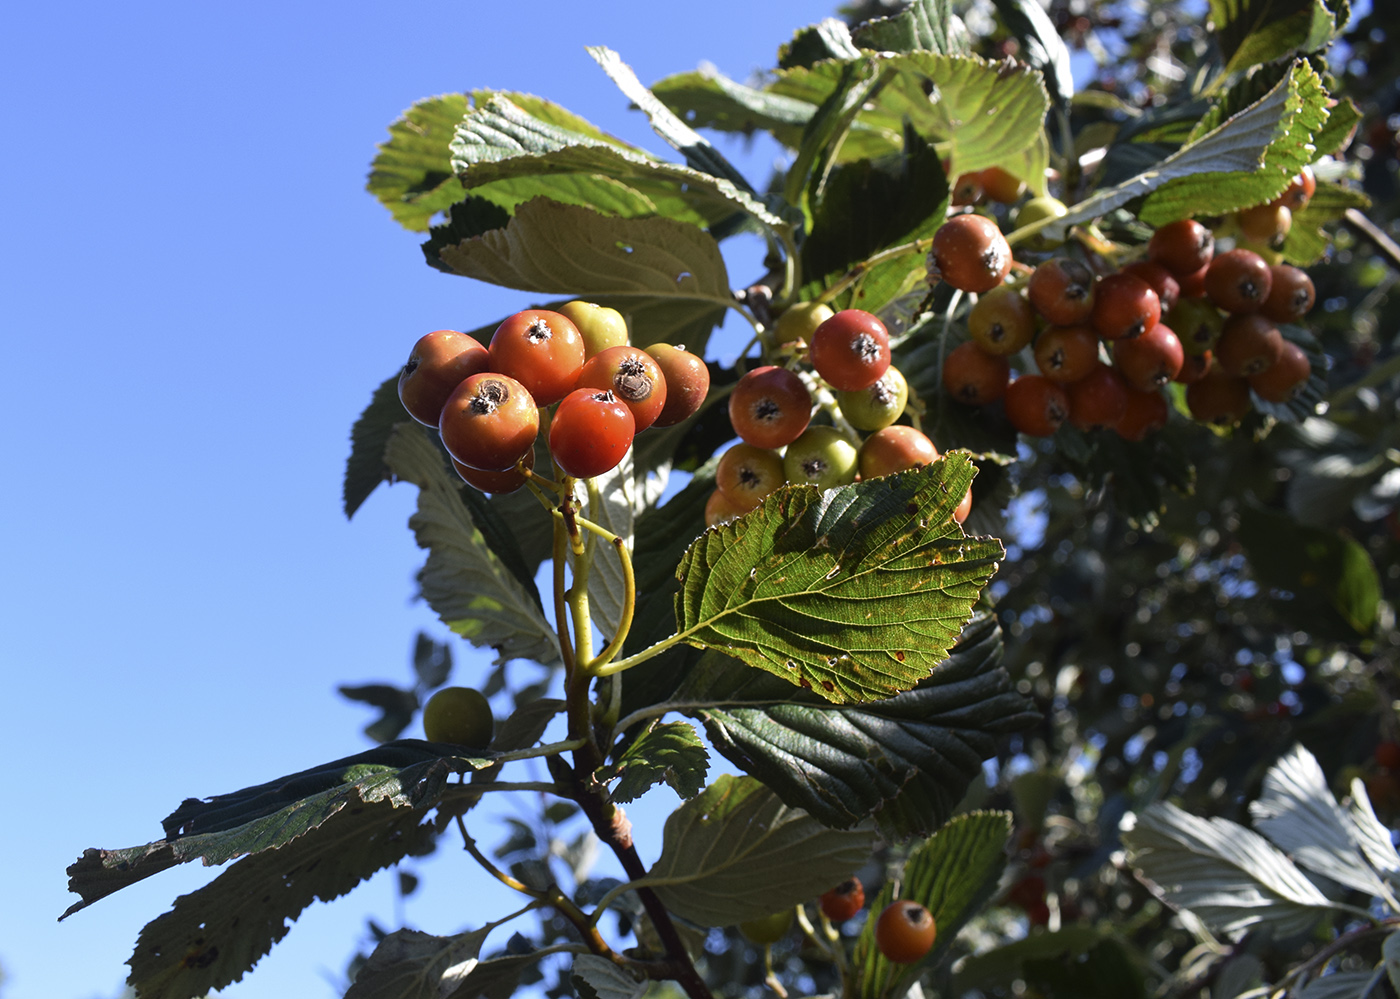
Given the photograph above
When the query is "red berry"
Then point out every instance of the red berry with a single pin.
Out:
(1194, 367)
(1147, 413)
(542, 350)
(973, 376)
(747, 475)
(1182, 247)
(1159, 279)
(851, 350)
(1266, 224)
(438, 363)
(1299, 191)
(905, 931)
(489, 422)
(1387, 755)
(770, 407)
(1291, 294)
(1062, 290)
(507, 481)
(1124, 307)
(1218, 398)
(843, 901)
(1099, 399)
(1238, 281)
(1285, 378)
(720, 509)
(632, 375)
(1250, 344)
(895, 449)
(1035, 405)
(590, 433)
(687, 383)
(1001, 186)
(1002, 321)
(1066, 353)
(1151, 360)
(970, 253)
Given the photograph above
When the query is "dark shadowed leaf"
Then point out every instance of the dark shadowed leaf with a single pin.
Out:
(737, 834)
(1041, 44)
(365, 468)
(1253, 32)
(906, 761)
(397, 708)
(856, 592)
(432, 661)
(594, 977)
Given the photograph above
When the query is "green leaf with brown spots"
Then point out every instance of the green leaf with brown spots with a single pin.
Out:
(855, 593)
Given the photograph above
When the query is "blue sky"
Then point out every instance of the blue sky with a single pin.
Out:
(198, 298)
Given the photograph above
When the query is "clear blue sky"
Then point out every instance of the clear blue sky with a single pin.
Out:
(198, 298)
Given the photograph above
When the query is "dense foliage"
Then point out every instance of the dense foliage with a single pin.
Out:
(1129, 729)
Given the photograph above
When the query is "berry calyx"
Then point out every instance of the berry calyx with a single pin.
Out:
(879, 405)
(632, 375)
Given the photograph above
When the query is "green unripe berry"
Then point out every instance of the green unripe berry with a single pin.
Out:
(768, 929)
(1034, 211)
(879, 405)
(800, 321)
(821, 457)
(459, 715)
(599, 326)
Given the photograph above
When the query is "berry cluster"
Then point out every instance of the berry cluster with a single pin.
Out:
(486, 402)
(1105, 344)
(771, 409)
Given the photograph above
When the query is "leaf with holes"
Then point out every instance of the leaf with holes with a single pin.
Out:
(737, 834)
(855, 593)
(463, 580)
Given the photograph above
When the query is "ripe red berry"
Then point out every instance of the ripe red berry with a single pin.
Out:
(720, 509)
(1035, 405)
(507, 481)
(1159, 279)
(632, 375)
(747, 475)
(1151, 360)
(770, 407)
(851, 350)
(905, 931)
(961, 511)
(1238, 281)
(973, 376)
(1182, 247)
(590, 433)
(1194, 367)
(687, 383)
(1266, 224)
(542, 350)
(895, 449)
(843, 901)
(1062, 290)
(1285, 378)
(1001, 186)
(438, 363)
(489, 422)
(1098, 400)
(1066, 353)
(1299, 191)
(1124, 307)
(970, 253)
(1250, 344)
(1291, 294)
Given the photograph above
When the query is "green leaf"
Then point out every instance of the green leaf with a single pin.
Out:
(463, 580)
(1206, 191)
(1297, 811)
(1320, 567)
(1229, 876)
(1390, 954)
(1373, 837)
(1109, 968)
(952, 874)
(1003, 965)
(856, 592)
(828, 39)
(639, 266)
(365, 468)
(870, 206)
(1253, 32)
(1307, 241)
(1342, 121)
(1041, 44)
(708, 99)
(412, 174)
(906, 761)
(736, 835)
(681, 137)
(508, 156)
(396, 706)
(669, 751)
(859, 82)
(1221, 170)
(410, 964)
(1338, 985)
(432, 661)
(978, 113)
(925, 26)
(595, 977)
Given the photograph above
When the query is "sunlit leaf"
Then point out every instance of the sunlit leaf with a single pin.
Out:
(412, 172)
(855, 593)
(738, 834)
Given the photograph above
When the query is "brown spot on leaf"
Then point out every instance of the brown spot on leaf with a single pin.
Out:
(899, 656)
(802, 682)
